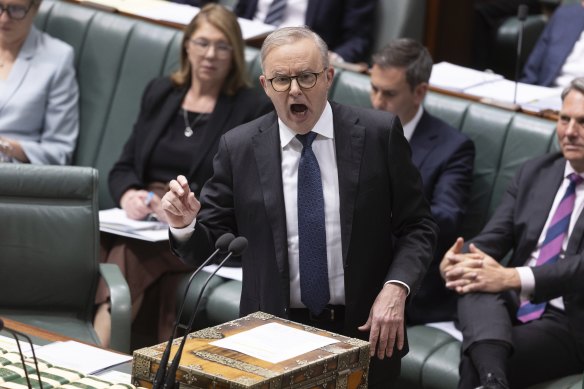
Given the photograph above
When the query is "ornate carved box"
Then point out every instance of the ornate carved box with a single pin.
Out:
(343, 364)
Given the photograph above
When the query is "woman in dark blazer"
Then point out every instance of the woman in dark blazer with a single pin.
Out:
(177, 131)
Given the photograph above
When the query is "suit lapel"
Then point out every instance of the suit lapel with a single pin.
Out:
(311, 11)
(349, 143)
(422, 140)
(266, 148)
(21, 67)
(542, 197)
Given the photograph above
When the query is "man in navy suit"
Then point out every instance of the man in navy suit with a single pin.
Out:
(346, 26)
(444, 156)
(523, 323)
(558, 56)
(374, 224)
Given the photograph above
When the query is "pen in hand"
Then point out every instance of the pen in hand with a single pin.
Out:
(148, 199)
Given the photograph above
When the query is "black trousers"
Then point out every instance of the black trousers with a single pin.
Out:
(543, 349)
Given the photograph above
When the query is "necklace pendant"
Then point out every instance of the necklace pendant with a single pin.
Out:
(188, 131)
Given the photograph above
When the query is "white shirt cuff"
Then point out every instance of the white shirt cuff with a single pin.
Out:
(527, 282)
(181, 235)
(399, 282)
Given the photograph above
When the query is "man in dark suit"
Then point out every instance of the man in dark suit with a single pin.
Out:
(362, 194)
(345, 26)
(444, 157)
(524, 323)
(557, 56)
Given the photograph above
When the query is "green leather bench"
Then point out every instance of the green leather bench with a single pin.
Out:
(115, 58)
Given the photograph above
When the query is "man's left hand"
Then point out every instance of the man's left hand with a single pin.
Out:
(481, 273)
(386, 320)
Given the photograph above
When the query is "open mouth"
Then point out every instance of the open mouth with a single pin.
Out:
(299, 109)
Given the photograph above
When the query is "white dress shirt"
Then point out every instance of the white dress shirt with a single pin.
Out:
(525, 273)
(410, 126)
(574, 65)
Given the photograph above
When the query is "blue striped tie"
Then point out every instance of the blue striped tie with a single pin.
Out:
(314, 285)
(276, 12)
(551, 248)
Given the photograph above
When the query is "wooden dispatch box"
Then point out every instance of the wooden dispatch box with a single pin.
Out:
(344, 364)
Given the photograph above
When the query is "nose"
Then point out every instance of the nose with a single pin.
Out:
(376, 100)
(211, 51)
(295, 89)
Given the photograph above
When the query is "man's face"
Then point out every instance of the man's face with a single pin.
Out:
(298, 108)
(391, 92)
(570, 129)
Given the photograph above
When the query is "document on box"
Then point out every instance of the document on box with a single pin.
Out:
(274, 342)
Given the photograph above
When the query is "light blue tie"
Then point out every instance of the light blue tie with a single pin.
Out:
(314, 285)
(276, 12)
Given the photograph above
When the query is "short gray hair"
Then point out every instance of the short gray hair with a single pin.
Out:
(288, 35)
(577, 84)
(409, 54)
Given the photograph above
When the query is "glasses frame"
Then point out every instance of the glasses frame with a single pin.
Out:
(315, 74)
(221, 54)
(7, 9)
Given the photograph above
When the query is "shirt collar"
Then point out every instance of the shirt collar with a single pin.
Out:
(410, 126)
(569, 170)
(324, 127)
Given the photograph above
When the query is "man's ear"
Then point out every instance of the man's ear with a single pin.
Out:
(420, 92)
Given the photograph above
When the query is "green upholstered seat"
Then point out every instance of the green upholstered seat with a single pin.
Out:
(49, 252)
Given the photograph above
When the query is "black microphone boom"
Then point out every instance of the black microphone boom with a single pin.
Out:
(222, 246)
(15, 334)
(236, 248)
(521, 15)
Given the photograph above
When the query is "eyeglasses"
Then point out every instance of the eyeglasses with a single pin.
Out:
(222, 50)
(305, 80)
(15, 12)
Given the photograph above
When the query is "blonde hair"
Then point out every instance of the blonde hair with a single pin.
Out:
(226, 22)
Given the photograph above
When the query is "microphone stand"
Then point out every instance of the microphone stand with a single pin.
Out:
(521, 15)
(236, 247)
(15, 334)
(222, 245)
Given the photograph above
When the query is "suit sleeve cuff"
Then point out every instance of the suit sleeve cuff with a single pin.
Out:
(527, 282)
(181, 235)
(399, 283)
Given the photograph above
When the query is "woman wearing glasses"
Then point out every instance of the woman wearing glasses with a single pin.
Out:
(177, 131)
(38, 90)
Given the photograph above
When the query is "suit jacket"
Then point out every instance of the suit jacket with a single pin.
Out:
(160, 103)
(445, 159)
(346, 26)
(387, 231)
(39, 100)
(554, 45)
(517, 225)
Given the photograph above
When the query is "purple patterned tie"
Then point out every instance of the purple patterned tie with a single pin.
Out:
(551, 247)
(314, 285)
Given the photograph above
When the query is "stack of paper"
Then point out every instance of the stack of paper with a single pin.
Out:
(116, 222)
(458, 78)
(504, 90)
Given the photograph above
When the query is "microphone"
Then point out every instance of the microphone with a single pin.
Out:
(236, 248)
(15, 334)
(222, 246)
(521, 15)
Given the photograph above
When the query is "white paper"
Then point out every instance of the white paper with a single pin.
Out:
(116, 377)
(80, 357)
(116, 222)
(274, 342)
(233, 273)
(448, 327)
(504, 90)
(458, 78)
(9, 344)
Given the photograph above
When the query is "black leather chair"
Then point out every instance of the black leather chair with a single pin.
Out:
(49, 244)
